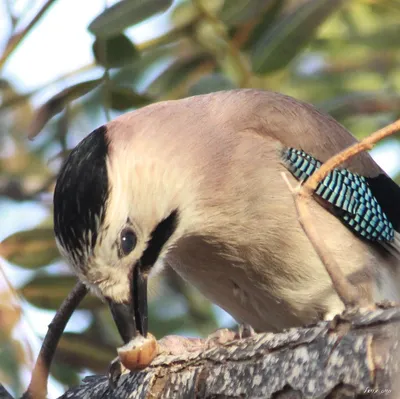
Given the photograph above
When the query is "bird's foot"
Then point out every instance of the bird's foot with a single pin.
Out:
(245, 331)
(224, 335)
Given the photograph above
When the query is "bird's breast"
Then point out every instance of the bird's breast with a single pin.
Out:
(240, 289)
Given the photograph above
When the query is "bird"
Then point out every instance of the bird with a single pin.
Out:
(196, 184)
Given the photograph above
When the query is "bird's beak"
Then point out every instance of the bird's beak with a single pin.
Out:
(136, 319)
(131, 318)
(139, 299)
(124, 320)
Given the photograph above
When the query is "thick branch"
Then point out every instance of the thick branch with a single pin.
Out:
(353, 355)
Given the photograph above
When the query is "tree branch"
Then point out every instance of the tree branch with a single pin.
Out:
(38, 386)
(311, 184)
(354, 355)
(17, 38)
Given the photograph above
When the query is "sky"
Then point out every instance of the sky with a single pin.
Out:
(50, 51)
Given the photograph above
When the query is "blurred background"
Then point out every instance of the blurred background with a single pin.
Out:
(68, 66)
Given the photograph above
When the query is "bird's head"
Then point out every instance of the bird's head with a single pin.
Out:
(111, 229)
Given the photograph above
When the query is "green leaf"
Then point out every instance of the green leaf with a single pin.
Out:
(30, 248)
(238, 12)
(211, 83)
(124, 14)
(123, 98)
(115, 51)
(266, 22)
(48, 291)
(57, 103)
(143, 68)
(287, 38)
(187, 13)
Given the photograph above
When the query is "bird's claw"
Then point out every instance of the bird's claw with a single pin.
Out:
(224, 335)
(245, 331)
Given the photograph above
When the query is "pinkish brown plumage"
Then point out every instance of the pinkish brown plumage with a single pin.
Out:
(199, 182)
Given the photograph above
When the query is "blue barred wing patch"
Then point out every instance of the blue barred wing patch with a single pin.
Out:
(347, 192)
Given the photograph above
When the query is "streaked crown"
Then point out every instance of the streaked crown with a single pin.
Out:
(80, 197)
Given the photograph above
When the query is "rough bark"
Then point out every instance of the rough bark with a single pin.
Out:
(354, 356)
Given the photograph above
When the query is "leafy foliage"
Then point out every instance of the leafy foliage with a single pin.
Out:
(125, 13)
(114, 51)
(340, 55)
(31, 248)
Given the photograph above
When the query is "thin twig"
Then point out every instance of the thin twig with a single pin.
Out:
(311, 184)
(345, 290)
(38, 386)
(13, 19)
(17, 38)
(106, 95)
(168, 37)
(17, 99)
(106, 92)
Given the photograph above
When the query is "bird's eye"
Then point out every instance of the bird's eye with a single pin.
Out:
(128, 241)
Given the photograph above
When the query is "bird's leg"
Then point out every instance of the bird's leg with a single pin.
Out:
(224, 335)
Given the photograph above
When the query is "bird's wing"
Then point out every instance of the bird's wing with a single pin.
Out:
(349, 194)
(370, 200)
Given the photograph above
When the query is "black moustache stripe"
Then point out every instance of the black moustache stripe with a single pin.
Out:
(159, 237)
